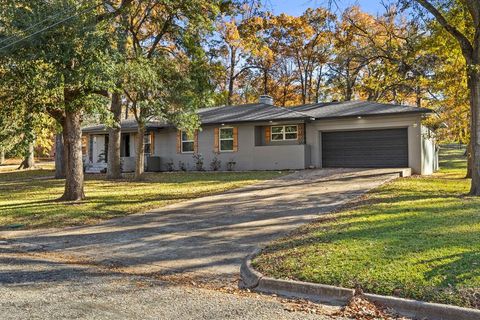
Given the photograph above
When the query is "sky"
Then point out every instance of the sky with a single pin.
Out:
(297, 7)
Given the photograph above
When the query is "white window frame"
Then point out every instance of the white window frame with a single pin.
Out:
(183, 141)
(284, 133)
(229, 139)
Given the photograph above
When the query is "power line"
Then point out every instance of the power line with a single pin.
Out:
(50, 17)
(51, 26)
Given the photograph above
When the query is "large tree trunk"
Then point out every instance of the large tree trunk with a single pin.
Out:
(59, 157)
(29, 159)
(140, 152)
(469, 160)
(474, 85)
(72, 137)
(2, 155)
(114, 170)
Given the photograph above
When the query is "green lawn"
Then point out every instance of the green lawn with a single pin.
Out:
(28, 201)
(416, 237)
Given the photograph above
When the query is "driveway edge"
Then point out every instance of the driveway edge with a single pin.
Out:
(254, 280)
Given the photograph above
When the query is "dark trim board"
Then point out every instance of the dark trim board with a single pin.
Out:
(379, 148)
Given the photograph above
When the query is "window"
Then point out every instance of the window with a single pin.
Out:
(188, 142)
(281, 133)
(90, 149)
(226, 139)
(147, 143)
(105, 150)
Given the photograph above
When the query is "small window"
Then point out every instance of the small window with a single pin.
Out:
(281, 133)
(147, 143)
(226, 139)
(188, 143)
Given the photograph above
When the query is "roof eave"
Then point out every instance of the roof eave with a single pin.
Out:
(374, 115)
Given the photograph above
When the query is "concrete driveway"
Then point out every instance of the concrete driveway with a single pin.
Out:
(208, 236)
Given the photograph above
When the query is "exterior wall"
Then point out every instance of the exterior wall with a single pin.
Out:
(430, 162)
(412, 122)
(248, 157)
(98, 147)
(254, 154)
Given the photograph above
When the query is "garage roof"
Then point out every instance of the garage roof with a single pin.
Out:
(355, 109)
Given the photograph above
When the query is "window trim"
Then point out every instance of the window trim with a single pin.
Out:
(150, 140)
(182, 141)
(220, 139)
(284, 133)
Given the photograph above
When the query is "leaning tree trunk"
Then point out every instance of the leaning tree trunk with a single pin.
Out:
(59, 157)
(72, 137)
(474, 86)
(114, 170)
(140, 152)
(29, 160)
(2, 155)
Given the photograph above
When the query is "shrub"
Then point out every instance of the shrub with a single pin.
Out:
(182, 166)
(170, 166)
(231, 165)
(197, 157)
(216, 164)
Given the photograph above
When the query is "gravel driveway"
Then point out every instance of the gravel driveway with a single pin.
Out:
(202, 238)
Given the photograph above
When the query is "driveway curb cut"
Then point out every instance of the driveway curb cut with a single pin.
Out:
(252, 279)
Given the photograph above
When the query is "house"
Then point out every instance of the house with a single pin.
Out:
(262, 136)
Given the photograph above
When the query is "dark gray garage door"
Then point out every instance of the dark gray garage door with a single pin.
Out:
(365, 149)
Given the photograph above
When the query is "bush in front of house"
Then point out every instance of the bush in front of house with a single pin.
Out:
(216, 164)
(170, 166)
(198, 158)
(182, 166)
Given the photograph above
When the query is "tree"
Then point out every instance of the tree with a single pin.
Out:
(467, 35)
(166, 73)
(305, 40)
(66, 67)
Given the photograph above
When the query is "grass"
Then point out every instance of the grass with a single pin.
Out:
(28, 198)
(416, 237)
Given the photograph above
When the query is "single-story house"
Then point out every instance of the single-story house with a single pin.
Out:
(261, 136)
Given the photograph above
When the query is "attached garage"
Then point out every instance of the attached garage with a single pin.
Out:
(385, 148)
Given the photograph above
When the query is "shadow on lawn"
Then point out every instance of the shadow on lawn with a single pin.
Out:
(402, 236)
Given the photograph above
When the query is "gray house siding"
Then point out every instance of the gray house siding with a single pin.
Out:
(255, 152)
(250, 155)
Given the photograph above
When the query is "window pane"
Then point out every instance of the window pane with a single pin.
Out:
(187, 147)
(290, 129)
(147, 138)
(277, 136)
(277, 129)
(186, 136)
(226, 145)
(147, 149)
(291, 136)
(226, 133)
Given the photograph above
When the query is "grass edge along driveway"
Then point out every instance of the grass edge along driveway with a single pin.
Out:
(416, 237)
(27, 198)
